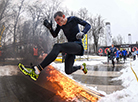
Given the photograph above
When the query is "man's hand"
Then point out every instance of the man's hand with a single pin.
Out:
(47, 24)
(80, 35)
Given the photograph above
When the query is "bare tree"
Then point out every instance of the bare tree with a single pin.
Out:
(4, 8)
(49, 11)
(114, 41)
(37, 13)
(83, 14)
(5, 16)
(117, 40)
(34, 12)
(97, 24)
(120, 39)
(16, 14)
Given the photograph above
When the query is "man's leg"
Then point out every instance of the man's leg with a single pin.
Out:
(117, 60)
(69, 48)
(107, 59)
(69, 61)
(113, 63)
(124, 58)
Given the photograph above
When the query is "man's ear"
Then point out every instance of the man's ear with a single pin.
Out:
(63, 16)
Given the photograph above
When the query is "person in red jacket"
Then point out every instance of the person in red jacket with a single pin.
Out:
(0, 54)
(35, 54)
(35, 51)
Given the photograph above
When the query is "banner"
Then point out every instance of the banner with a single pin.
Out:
(1, 34)
(85, 42)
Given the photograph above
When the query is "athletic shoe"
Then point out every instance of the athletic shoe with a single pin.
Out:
(30, 71)
(84, 68)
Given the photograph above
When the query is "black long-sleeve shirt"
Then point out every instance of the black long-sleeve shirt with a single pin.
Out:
(71, 28)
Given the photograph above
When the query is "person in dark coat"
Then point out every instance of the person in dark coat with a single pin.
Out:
(112, 54)
(108, 55)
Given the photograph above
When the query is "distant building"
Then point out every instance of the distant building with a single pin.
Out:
(129, 39)
(108, 34)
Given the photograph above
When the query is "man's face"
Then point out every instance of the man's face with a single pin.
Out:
(59, 20)
(112, 45)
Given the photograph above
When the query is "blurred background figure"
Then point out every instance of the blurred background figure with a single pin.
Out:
(117, 55)
(134, 53)
(112, 54)
(108, 55)
(42, 56)
(124, 54)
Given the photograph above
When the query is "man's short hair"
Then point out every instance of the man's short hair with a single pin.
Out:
(59, 13)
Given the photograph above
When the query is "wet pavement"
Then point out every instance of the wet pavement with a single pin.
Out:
(107, 67)
(101, 77)
(99, 80)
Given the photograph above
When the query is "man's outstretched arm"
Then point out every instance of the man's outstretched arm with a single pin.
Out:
(49, 26)
(86, 25)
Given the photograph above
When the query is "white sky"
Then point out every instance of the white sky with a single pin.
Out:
(122, 14)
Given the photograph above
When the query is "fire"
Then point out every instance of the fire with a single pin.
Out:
(67, 88)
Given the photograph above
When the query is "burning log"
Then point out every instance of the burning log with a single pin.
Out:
(66, 88)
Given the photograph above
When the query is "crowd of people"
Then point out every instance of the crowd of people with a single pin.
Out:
(115, 53)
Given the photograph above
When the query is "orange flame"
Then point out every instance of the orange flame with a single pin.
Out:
(69, 88)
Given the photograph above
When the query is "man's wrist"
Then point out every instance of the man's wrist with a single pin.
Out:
(83, 34)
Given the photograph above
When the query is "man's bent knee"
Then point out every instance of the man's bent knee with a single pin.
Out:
(57, 46)
(68, 72)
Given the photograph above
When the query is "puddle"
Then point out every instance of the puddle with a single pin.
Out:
(100, 80)
(105, 68)
(97, 80)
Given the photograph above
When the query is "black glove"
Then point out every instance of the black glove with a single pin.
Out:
(47, 24)
(80, 35)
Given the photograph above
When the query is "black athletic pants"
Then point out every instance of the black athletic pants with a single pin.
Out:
(117, 59)
(124, 57)
(71, 48)
(113, 62)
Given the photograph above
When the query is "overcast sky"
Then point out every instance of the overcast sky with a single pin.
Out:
(122, 14)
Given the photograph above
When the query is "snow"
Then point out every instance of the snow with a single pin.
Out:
(130, 82)
(8, 70)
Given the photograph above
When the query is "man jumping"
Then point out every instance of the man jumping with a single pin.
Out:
(71, 48)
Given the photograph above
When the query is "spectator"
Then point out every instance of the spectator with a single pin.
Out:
(108, 55)
(134, 54)
(35, 51)
(117, 55)
(137, 52)
(112, 54)
(124, 54)
(0, 54)
(120, 55)
(35, 55)
(42, 56)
